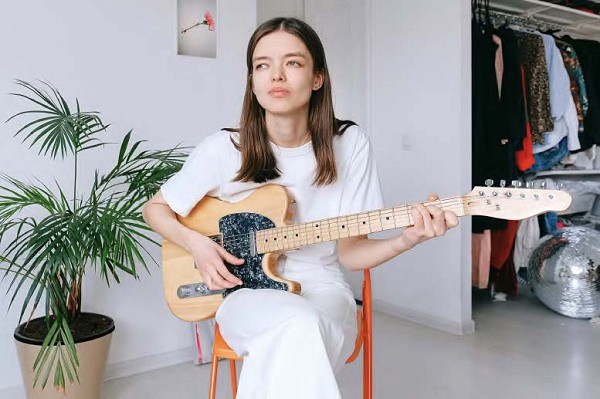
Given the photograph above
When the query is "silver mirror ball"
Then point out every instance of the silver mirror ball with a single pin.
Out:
(564, 272)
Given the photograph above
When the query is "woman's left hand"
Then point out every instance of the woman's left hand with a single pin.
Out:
(429, 222)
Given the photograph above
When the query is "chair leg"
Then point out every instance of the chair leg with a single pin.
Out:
(214, 367)
(367, 369)
(233, 377)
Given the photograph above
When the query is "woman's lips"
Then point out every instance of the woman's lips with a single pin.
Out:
(278, 92)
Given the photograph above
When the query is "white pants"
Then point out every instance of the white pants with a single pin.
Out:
(292, 344)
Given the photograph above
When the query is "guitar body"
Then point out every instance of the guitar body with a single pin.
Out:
(187, 296)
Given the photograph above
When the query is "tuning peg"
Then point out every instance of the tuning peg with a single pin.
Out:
(489, 182)
(529, 184)
(560, 185)
(516, 183)
(502, 183)
(543, 184)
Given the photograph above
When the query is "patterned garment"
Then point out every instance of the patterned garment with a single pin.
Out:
(577, 80)
(533, 59)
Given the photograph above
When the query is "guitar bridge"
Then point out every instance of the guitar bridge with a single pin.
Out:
(196, 290)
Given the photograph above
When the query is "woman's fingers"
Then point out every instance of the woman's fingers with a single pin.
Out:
(433, 197)
(426, 220)
(227, 276)
(451, 219)
(214, 272)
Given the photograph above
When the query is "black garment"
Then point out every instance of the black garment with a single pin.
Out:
(490, 157)
(588, 52)
(513, 118)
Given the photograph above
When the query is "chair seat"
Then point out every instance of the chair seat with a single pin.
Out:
(221, 349)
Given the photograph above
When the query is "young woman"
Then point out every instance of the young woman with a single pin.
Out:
(288, 135)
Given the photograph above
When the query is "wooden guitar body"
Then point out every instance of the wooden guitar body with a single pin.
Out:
(185, 291)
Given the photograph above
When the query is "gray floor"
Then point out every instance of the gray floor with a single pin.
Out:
(520, 350)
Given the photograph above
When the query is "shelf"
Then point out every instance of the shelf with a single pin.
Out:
(567, 172)
(573, 21)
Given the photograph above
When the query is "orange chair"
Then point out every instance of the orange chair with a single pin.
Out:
(364, 339)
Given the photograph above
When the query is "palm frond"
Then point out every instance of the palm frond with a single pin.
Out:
(58, 131)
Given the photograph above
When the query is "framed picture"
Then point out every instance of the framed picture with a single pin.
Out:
(197, 28)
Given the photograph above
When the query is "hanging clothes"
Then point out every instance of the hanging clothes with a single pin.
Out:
(577, 80)
(533, 58)
(588, 53)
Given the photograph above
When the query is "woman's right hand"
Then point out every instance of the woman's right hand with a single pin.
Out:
(209, 258)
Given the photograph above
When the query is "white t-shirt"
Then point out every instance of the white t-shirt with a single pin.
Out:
(214, 163)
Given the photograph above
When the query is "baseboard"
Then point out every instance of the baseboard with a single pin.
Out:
(425, 319)
(148, 363)
(123, 369)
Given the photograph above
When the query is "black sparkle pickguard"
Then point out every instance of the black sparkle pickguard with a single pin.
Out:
(237, 230)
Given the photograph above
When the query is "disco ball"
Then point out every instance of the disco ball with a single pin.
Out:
(564, 272)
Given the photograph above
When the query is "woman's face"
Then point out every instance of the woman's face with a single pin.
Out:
(282, 74)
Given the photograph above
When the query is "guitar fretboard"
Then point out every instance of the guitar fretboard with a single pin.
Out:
(303, 234)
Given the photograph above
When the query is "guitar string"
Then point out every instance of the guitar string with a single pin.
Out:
(445, 203)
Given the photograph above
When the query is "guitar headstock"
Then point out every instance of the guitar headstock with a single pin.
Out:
(514, 203)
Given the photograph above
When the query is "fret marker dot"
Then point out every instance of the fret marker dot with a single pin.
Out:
(343, 226)
(318, 236)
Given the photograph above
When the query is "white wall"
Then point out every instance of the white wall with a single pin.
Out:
(419, 116)
(118, 57)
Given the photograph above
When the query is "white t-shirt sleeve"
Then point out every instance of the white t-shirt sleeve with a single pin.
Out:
(198, 176)
(362, 189)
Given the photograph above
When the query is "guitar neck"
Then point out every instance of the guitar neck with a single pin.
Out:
(303, 234)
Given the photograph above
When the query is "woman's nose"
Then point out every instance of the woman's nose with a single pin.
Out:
(278, 75)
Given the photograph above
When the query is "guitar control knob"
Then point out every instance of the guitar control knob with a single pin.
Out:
(489, 182)
(502, 183)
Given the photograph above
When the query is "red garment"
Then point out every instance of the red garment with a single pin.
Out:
(503, 244)
(505, 279)
(524, 157)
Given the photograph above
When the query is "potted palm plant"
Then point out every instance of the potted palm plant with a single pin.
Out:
(50, 236)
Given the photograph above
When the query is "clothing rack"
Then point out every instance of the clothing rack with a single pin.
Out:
(526, 21)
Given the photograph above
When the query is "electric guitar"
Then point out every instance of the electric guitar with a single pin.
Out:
(257, 229)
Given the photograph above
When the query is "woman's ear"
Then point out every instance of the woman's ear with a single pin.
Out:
(318, 81)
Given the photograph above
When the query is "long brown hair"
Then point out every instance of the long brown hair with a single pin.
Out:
(258, 161)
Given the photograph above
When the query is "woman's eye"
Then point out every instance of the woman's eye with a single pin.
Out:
(260, 66)
(294, 63)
